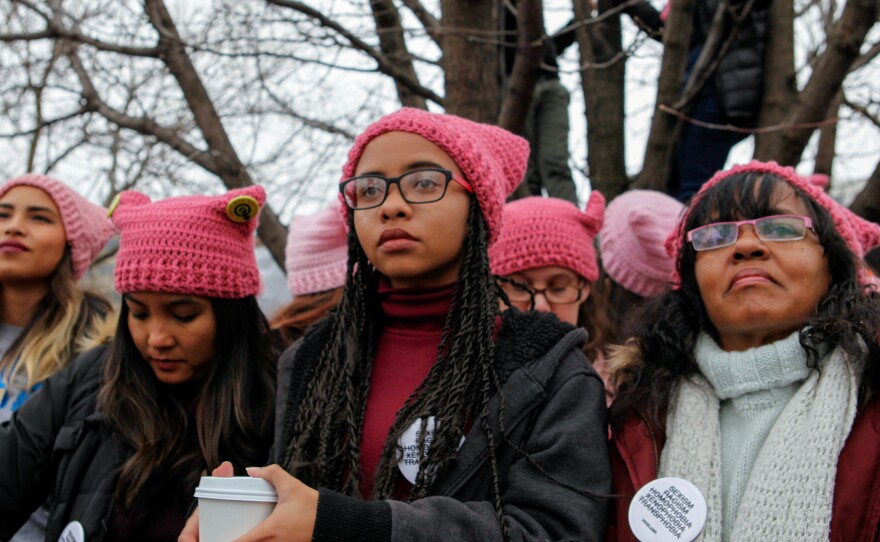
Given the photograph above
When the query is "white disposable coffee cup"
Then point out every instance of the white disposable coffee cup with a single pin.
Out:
(230, 507)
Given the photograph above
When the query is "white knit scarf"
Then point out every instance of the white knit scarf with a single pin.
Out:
(790, 491)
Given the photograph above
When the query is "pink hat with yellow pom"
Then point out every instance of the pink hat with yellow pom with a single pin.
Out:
(199, 245)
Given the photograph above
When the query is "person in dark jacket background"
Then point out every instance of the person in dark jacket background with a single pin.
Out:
(732, 95)
(118, 440)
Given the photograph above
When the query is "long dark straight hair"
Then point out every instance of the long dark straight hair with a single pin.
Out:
(234, 404)
(325, 448)
(666, 329)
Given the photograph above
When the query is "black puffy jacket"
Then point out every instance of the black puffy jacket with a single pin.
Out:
(739, 78)
(57, 446)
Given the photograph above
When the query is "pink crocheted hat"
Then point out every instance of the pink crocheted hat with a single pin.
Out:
(637, 224)
(492, 159)
(543, 232)
(86, 225)
(858, 234)
(317, 253)
(199, 245)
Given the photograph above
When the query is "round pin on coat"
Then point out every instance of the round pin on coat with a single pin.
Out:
(667, 510)
(242, 208)
(409, 443)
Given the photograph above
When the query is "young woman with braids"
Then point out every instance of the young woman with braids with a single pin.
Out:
(118, 439)
(518, 448)
(756, 377)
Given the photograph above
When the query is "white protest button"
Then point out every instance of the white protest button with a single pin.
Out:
(73, 532)
(667, 510)
(409, 442)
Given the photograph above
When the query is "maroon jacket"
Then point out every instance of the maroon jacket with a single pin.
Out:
(635, 457)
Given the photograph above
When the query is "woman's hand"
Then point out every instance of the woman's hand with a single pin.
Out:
(294, 517)
(190, 532)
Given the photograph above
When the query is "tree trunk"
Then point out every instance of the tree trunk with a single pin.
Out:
(393, 46)
(602, 80)
(521, 85)
(529, 53)
(664, 127)
(231, 170)
(469, 41)
(787, 145)
(827, 142)
(780, 82)
(867, 203)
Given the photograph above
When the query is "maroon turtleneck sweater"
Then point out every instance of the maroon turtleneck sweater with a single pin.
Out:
(405, 352)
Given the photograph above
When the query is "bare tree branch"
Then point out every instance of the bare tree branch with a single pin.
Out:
(393, 45)
(861, 110)
(676, 41)
(826, 80)
(230, 168)
(529, 52)
(431, 24)
(383, 64)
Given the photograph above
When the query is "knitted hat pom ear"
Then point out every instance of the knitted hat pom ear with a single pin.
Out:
(594, 213)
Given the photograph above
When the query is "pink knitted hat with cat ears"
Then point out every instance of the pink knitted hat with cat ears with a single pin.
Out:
(857, 234)
(86, 225)
(317, 253)
(543, 232)
(492, 159)
(198, 245)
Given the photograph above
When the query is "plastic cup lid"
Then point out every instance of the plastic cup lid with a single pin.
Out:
(236, 488)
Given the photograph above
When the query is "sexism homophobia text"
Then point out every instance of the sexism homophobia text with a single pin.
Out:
(670, 508)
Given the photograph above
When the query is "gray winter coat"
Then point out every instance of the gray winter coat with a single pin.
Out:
(554, 410)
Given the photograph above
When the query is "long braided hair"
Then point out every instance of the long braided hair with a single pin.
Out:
(325, 447)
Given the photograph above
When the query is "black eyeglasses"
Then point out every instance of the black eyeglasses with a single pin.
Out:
(420, 186)
(519, 292)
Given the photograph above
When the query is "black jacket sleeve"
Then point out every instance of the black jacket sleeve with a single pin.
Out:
(28, 439)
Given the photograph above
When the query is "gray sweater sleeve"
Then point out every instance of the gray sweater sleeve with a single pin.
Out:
(567, 449)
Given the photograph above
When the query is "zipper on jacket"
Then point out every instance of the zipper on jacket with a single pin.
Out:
(653, 445)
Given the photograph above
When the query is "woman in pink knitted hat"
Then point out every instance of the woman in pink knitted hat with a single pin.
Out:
(49, 235)
(756, 378)
(634, 262)
(416, 411)
(316, 256)
(118, 440)
(546, 260)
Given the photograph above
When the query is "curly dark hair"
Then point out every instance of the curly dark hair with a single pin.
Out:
(665, 330)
